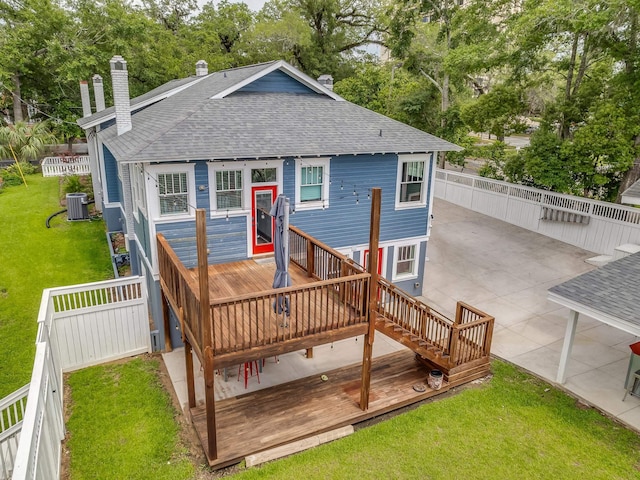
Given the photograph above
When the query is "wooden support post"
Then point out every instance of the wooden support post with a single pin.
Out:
(165, 317)
(309, 353)
(188, 361)
(207, 331)
(367, 352)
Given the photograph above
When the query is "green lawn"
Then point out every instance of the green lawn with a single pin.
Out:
(122, 425)
(122, 422)
(33, 257)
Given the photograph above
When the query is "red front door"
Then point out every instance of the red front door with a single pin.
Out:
(262, 224)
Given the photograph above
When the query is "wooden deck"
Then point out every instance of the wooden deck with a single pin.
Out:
(278, 415)
(247, 277)
(244, 314)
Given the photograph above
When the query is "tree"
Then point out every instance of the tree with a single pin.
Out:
(498, 112)
(24, 141)
(28, 30)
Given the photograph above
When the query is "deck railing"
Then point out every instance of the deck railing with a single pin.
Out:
(317, 259)
(471, 336)
(258, 320)
(66, 165)
(466, 339)
(181, 290)
(338, 299)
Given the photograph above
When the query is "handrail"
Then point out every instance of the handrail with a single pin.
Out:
(255, 320)
(286, 290)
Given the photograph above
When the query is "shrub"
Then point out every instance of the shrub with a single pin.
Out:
(11, 174)
(77, 184)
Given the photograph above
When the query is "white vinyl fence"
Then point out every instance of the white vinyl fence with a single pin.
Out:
(66, 165)
(595, 226)
(78, 326)
(12, 410)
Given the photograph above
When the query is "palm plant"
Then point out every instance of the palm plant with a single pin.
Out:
(23, 141)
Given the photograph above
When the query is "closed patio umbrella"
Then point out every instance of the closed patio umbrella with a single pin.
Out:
(281, 279)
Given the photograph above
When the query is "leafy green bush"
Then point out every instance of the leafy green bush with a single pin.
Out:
(11, 174)
(77, 184)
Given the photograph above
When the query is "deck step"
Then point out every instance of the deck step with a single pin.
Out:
(600, 260)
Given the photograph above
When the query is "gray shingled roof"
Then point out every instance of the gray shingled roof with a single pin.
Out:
(159, 93)
(190, 125)
(613, 289)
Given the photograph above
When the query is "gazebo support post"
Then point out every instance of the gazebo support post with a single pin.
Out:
(367, 353)
(569, 335)
(207, 334)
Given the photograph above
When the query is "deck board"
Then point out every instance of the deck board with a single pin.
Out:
(281, 414)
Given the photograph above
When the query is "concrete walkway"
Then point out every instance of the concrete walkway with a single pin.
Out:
(505, 271)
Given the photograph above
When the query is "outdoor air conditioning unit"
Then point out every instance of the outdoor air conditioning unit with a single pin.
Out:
(77, 206)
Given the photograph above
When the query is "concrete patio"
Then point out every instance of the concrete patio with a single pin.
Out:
(505, 271)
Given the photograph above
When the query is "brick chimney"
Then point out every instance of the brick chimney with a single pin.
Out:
(326, 81)
(120, 81)
(202, 68)
(98, 92)
(86, 100)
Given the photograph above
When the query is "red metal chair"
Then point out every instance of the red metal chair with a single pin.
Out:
(248, 371)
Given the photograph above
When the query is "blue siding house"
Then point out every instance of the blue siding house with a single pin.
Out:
(230, 142)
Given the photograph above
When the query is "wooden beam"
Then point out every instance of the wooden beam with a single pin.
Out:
(207, 331)
(188, 361)
(367, 351)
(286, 346)
(165, 317)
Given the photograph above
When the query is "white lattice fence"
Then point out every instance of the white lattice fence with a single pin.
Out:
(69, 165)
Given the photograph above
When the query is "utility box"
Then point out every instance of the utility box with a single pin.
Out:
(77, 206)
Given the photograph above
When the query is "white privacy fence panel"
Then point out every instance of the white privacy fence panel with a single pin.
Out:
(99, 322)
(79, 326)
(69, 165)
(595, 226)
(12, 410)
(38, 455)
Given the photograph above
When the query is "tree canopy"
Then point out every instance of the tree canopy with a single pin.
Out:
(455, 67)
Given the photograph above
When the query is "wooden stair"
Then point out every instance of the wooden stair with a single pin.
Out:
(413, 342)
(432, 357)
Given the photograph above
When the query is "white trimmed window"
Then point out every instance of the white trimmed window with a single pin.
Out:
(312, 183)
(229, 190)
(170, 191)
(411, 183)
(173, 193)
(405, 261)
